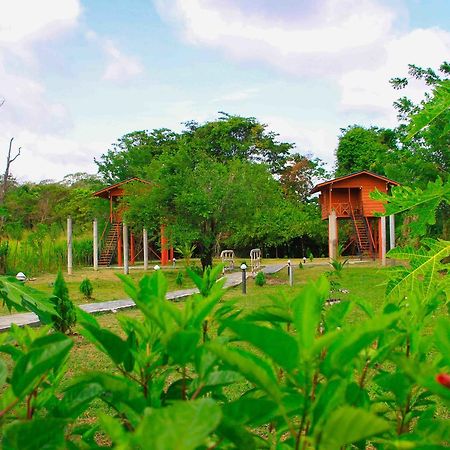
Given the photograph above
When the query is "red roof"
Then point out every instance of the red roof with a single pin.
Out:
(103, 192)
(319, 186)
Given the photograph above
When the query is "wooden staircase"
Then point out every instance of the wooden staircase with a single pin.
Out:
(109, 246)
(364, 236)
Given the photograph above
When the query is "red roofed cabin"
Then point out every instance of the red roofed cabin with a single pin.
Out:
(348, 197)
(113, 240)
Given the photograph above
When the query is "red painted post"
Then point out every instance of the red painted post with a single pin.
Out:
(164, 250)
(171, 253)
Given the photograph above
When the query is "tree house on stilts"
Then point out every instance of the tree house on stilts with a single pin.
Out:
(112, 247)
(348, 197)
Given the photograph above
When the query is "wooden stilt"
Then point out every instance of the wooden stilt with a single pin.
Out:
(125, 250)
(164, 250)
(145, 244)
(332, 235)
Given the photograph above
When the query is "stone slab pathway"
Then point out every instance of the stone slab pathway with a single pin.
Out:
(22, 319)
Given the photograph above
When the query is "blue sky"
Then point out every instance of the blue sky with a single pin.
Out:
(78, 74)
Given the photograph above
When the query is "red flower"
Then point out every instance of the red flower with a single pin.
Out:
(444, 379)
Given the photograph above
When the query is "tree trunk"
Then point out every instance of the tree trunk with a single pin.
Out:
(206, 256)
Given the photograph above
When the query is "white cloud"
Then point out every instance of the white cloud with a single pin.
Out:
(119, 66)
(352, 43)
(22, 24)
(237, 95)
(343, 28)
(47, 156)
(25, 21)
(369, 91)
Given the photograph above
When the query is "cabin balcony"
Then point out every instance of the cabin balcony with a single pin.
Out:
(343, 209)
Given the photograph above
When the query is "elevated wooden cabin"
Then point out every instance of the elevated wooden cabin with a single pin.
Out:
(348, 197)
(112, 237)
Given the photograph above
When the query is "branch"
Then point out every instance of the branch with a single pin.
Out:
(15, 157)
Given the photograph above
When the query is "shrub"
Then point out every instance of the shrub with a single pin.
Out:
(179, 279)
(310, 256)
(86, 288)
(63, 305)
(260, 279)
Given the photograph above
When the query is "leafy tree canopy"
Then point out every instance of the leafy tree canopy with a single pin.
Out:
(362, 148)
(226, 138)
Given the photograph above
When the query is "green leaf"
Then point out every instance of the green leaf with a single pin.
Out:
(46, 353)
(347, 345)
(20, 297)
(180, 426)
(347, 425)
(426, 272)
(437, 106)
(36, 434)
(115, 390)
(253, 368)
(108, 342)
(420, 204)
(182, 345)
(78, 397)
(307, 309)
(280, 346)
(250, 411)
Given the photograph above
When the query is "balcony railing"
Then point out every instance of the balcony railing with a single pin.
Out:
(344, 209)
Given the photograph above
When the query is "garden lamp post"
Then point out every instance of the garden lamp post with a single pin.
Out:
(244, 278)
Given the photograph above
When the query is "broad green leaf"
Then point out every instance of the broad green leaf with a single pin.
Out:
(180, 426)
(36, 434)
(115, 390)
(437, 106)
(307, 309)
(182, 345)
(335, 315)
(427, 270)
(46, 353)
(249, 365)
(251, 411)
(16, 295)
(348, 344)
(219, 378)
(421, 204)
(236, 433)
(347, 425)
(78, 397)
(111, 344)
(280, 346)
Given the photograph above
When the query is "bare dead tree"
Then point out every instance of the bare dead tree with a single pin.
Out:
(9, 161)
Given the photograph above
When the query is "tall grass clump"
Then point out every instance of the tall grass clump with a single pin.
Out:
(36, 253)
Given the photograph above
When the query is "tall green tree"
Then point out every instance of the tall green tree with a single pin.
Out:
(362, 148)
(227, 137)
(243, 138)
(425, 151)
(133, 152)
(204, 201)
